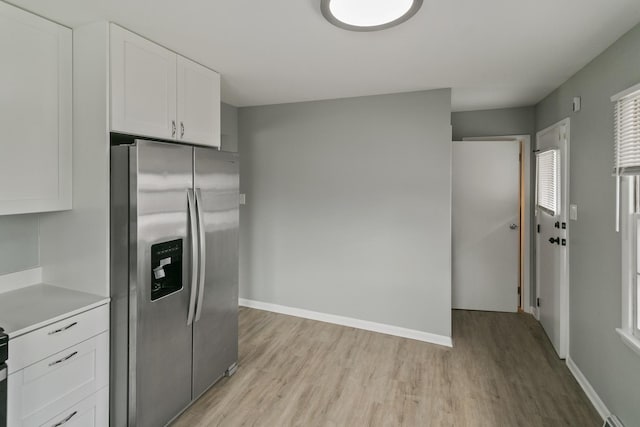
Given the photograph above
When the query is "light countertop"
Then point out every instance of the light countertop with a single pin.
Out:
(36, 306)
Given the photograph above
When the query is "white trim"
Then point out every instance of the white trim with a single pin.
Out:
(351, 322)
(534, 312)
(630, 340)
(629, 223)
(588, 389)
(528, 222)
(20, 279)
(618, 96)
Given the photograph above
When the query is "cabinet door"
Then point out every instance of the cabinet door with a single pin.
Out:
(143, 86)
(35, 113)
(198, 104)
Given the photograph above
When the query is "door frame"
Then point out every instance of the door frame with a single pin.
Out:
(525, 209)
(565, 306)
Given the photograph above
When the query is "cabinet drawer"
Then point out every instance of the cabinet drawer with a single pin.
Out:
(47, 387)
(37, 345)
(90, 412)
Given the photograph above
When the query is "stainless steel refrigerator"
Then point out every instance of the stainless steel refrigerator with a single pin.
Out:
(174, 277)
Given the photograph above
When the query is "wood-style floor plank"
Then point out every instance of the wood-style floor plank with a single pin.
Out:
(297, 372)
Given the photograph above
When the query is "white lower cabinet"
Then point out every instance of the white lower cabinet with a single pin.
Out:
(68, 387)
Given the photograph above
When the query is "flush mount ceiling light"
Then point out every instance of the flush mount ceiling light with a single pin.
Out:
(368, 15)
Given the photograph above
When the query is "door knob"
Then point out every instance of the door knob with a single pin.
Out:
(556, 240)
(513, 226)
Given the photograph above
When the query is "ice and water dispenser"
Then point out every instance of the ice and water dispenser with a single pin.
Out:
(166, 266)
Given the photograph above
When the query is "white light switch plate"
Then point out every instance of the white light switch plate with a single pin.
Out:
(573, 212)
(243, 199)
(577, 104)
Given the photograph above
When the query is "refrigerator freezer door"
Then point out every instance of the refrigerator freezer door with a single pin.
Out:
(215, 334)
(160, 339)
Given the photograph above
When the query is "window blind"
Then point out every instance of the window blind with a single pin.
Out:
(627, 134)
(548, 185)
(626, 138)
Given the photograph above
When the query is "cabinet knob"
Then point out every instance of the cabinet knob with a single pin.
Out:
(173, 128)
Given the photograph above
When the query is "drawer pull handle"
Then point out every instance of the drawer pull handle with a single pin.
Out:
(57, 331)
(64, 359)
(66, 420)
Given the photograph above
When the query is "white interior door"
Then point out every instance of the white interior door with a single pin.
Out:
(552, 243)
(485, 214)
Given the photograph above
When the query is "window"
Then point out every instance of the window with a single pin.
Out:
(634, 240)
(635, 291)
(548, 183)
(630, 233)
(627, 173)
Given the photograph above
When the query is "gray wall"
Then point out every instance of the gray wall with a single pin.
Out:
(595, 296)
(348, 207)
(228, 128)
(503, 122)
(506, 121)
(18, 243)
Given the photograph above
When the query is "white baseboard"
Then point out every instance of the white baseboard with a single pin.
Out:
(20, 279)
(534, 312)
(588, 389)
(351, 322)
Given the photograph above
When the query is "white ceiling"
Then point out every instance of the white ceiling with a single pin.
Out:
(493, 53)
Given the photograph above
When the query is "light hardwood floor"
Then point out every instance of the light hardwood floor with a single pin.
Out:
(296, 372)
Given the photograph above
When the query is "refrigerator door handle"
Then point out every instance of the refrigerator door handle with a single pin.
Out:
(194, 254)
(202, 255)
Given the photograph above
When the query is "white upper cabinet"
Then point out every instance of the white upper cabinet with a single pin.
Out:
(198, 103)
(35, 113)
(143, 86)
(158, 93)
